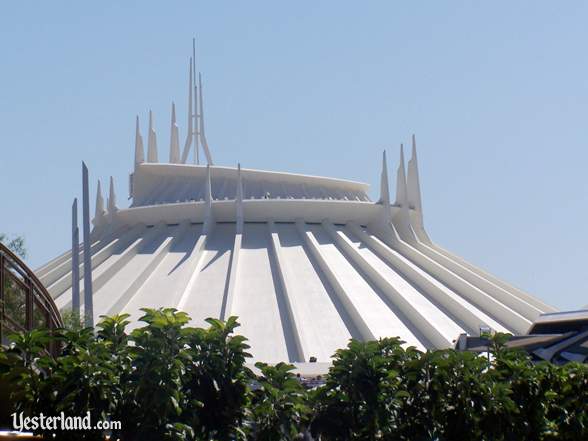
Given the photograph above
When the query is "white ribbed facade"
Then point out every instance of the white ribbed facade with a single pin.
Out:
(305, 262)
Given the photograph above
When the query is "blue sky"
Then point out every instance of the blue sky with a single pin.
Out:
(496, 92)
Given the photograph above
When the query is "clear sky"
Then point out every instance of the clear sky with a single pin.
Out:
(496, 92)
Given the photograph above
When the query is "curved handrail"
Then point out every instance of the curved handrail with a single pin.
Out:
(54, 315)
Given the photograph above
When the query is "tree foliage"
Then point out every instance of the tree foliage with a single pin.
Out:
(280, 407)
(217, 381)
(15, 244)
(383, 391)
(166, 380)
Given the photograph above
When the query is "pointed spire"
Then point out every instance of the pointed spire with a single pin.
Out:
(174, 148)
(88, 290)
(139, 152)
(401, 196)
(196, 120)
(190, 133)
(384, 185)
(151, 141)
(75, 260)
(239, 200)
(412, 180)
(99, 211)
(112, 198)
(202, 134)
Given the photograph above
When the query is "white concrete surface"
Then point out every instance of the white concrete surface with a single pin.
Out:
(304, 276)
(305, 262)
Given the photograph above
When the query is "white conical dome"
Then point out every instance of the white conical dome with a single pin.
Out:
(305, 262)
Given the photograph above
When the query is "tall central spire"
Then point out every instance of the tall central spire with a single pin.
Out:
(196, 130)
(202, 134)
(195, 136)
(190, 133)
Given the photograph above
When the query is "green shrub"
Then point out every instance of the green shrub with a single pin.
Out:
(169, 381)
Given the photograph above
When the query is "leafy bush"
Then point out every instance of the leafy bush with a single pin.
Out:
(217, 381)
(383, 391)
(169, 381)
(279, 408)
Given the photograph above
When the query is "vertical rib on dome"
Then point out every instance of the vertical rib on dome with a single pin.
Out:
(75, 259)
(239, 200)
(88, 292)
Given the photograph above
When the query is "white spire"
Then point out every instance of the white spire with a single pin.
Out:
(401, 196)
(88, 290)
(202, 134)
(196, 121)
(99, 212)
(75, 260)
(384, 185)
(412, 180)
(239, 200)
(151, 141)
(112, 198)
(174, 147)
(190, 133)
(139, 152)
(414, 195)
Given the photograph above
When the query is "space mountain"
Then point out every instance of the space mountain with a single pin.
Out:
(305, 262)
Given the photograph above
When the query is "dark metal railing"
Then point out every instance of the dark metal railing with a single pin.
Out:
(25, 303)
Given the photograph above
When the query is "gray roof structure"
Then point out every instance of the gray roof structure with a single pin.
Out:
(558, 337)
